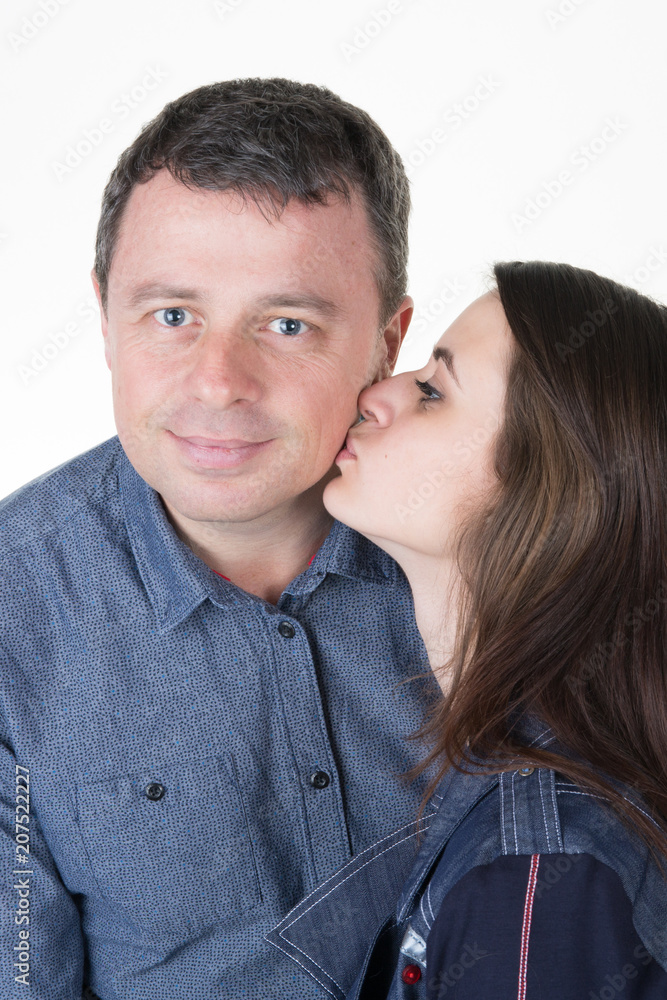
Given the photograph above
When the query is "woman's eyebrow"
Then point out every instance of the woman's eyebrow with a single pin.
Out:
(444, 354)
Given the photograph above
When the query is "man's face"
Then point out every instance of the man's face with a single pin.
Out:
(238, 346)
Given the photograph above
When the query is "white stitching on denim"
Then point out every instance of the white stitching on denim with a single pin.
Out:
(361, 854)
(293, 945)
(333, 889)
(556, 817)
(428, 900)
(309, 957)
(540, 774)
(502, 812)
(534, 741)
(516, 836)
(289, 955)
(421, 910)
(571, 791)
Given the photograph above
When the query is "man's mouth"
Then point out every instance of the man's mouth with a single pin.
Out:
(217, 453)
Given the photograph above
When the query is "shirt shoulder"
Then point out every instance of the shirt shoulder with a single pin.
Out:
(542, 925)
(54, 501)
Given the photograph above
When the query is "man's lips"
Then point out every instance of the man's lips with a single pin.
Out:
(217, 453)
(220, 442)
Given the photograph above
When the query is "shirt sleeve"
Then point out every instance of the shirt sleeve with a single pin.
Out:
(540, 927)
(40, 928)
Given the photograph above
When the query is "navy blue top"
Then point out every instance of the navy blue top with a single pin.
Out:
(543, 927)
(192, 759)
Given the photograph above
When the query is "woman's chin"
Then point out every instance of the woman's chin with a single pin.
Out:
(353, 513)
(348, 509)
(336, 502)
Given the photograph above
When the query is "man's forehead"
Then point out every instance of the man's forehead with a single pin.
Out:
(170, 197)
(166, 219)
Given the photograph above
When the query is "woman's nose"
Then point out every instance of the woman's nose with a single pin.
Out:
(377, 401)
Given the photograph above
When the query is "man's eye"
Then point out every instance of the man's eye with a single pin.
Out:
(290, 327)
(173, 316)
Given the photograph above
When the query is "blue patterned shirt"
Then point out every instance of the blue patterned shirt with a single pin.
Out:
(181, 761)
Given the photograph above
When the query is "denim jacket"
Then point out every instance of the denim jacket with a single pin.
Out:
(352, 937)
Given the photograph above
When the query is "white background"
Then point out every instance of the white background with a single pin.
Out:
(537, 80)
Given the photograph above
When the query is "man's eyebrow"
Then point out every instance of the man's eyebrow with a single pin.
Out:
(306, 301)
(158, 290)
(444, 354)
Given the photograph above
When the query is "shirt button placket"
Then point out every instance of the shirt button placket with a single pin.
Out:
(323, 811)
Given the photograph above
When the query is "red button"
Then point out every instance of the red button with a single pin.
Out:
(411, 974)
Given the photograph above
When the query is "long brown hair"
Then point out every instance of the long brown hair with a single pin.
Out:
(565, 608)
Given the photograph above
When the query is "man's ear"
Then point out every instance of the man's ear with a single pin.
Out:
(103, 318)
(393, 336)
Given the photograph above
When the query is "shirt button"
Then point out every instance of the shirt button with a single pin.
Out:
(525, 771)
(320, 779)
(411, 974)
(286, 630)
(155, 791)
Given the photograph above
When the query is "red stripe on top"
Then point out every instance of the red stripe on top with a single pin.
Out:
(525, 930)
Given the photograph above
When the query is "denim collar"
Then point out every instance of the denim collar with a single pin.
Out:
(177, 581)
(458, 793)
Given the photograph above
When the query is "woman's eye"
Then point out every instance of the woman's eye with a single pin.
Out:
(173, 316)
(430, 393)
(290, 327)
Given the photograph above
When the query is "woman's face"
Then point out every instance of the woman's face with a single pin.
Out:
(422, 455)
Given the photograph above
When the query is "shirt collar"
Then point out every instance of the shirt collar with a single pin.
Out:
(177, 581)
(458, 793)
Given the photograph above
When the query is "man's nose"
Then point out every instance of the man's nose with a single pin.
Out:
(224, 369)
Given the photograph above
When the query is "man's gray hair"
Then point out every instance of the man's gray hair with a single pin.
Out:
(270, 141)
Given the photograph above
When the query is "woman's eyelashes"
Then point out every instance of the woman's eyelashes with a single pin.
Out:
(431, 394)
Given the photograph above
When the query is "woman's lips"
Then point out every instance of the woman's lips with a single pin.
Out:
(215, 453)
(347, 451)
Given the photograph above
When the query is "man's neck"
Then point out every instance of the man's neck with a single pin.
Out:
(260, 556)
